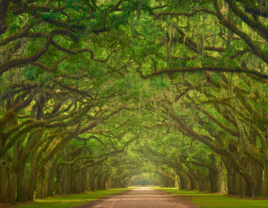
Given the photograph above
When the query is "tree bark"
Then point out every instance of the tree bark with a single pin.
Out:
(100, 182)
(64, 179)
(182, 182)
(31, 178)
(11, 191)
(52, 172)
(12, 183)
(45, 183)
(4, 170)
(21, 191)
(40, 183)
(214, 181)
(92, 182)
(4, 4)
(58, 182)
(265, 182)
(105, 181)
(35, 137)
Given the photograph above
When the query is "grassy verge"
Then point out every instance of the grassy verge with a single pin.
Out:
(207, 200)
(70, 200)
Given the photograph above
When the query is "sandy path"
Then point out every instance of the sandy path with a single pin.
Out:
(141, 198)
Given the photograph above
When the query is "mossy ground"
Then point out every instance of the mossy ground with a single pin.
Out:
(207, 200)
(69, 201)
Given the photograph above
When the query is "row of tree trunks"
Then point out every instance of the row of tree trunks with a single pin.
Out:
(236, 184)
(68, 181)
(203, 182)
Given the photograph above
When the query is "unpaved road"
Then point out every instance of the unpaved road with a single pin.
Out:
(141, 198)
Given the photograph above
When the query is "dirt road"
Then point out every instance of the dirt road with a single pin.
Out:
(141, 198)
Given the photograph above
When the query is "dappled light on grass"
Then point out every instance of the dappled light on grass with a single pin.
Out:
(207, 200)
(71, 200)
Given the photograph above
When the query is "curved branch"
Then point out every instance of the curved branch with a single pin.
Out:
(27, 60)
(256, 49)
(204, 68)
(183, 13)
(91, 137)
(226, 128)
(252, 23)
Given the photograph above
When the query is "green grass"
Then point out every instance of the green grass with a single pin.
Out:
(70, 200)
(207, 200)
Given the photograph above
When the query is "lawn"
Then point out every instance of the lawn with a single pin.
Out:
(207, 200)
(70, 200)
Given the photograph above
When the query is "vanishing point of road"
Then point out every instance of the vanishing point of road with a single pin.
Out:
(141, 198)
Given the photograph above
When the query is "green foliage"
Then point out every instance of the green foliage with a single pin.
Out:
(160, 126)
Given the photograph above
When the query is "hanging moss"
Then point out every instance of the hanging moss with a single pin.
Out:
(188, 27)
(139, 9)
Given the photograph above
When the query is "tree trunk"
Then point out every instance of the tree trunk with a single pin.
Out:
(64, 179)
(31, 178)
(105, 181)
(83, 180)
(265, 189)
(234, 181)
(114, 182)
(100, 182)
(203, 186)
(45, 183)
(78, 182)
(68, 181)
(250, 186)
(230, 186)
(87, 179)
(92, 182)
(109, 183)
(40, 183)
(182, 183)
(50, 182)
(4, 170)
(222, 178)
(192, 181)
(21, 192)
(214, 181)
(72, 178)
(58, 183)
(259, 181)
(12, 183)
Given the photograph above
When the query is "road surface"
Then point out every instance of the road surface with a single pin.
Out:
(141, 198)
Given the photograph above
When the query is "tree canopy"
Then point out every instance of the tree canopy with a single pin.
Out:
(105, 93)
